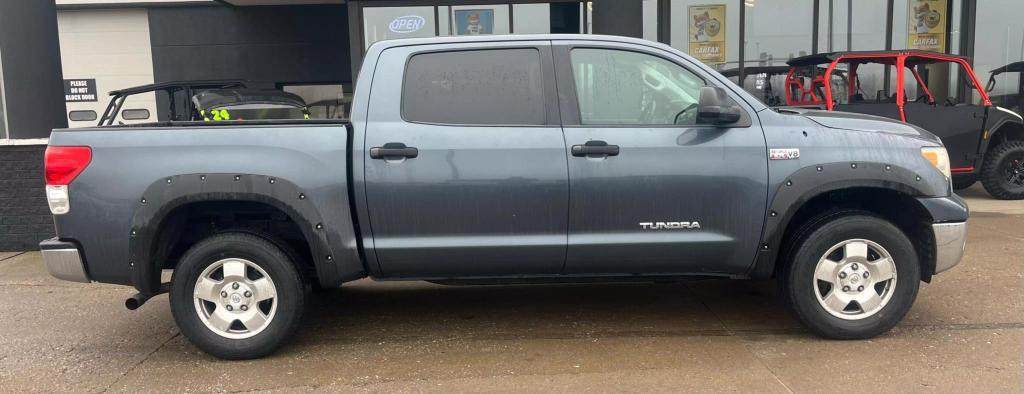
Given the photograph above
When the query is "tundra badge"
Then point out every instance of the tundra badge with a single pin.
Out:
(670, 225)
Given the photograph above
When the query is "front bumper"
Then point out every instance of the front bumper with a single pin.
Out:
(63, 260)
(950, 239)
(949, 226)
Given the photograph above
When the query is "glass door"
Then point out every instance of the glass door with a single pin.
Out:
(471, 20)
(389, 23)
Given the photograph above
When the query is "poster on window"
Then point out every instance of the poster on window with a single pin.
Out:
(707, 32)
(927, 25)
(474, 22)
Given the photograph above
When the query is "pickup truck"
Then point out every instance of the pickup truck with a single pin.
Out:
(500, 159)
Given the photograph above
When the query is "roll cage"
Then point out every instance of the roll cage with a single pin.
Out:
(1017, 67)
(805, 88)
(189, 88)
(768, 93)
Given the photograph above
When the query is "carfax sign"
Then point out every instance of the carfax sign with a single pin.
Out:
(80, 90)
(926, 21)
(707, 32)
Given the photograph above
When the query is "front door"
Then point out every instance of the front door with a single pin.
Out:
(652, 191)
(958, 125)
(466, 176)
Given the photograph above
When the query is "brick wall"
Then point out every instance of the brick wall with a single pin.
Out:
(24, 216)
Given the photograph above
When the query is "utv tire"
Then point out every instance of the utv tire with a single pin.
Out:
(961, 182)
(854, 251)
(1002, 173)
(237, 296)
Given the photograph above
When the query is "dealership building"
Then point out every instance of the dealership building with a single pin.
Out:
(59, 59)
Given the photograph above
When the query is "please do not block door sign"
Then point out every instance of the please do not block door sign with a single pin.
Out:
(79, 90)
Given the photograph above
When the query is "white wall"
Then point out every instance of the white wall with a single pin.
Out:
(111, 46)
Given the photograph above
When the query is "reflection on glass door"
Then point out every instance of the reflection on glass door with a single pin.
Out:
(708, 32)
(531, 18)
(325, 101)
(777, 30)
(388, 23)
(471, 20)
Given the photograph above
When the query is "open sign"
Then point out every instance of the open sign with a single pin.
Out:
(407, 24)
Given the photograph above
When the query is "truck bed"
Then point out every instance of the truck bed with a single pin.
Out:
(300, 166)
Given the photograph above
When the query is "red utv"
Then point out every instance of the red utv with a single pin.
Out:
(767, 82)
(984, 141)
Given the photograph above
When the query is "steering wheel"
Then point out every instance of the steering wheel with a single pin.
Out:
(683, 112)
(656, 84)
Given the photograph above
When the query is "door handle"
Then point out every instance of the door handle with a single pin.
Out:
(393, 150)
(595, 148)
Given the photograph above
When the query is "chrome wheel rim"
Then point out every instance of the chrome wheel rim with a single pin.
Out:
(855, 279)
(235, 298)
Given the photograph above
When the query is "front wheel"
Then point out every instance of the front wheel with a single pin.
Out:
(850, 275)
(237, 296)
(1002, 173)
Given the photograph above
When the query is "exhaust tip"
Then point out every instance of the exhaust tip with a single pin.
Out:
(134, 302)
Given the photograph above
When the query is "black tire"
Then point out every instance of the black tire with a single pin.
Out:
(272, 259)
(963, 181)
(994, 174)
(814, 239)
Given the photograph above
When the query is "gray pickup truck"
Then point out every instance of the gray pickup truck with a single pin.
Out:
(500, 159)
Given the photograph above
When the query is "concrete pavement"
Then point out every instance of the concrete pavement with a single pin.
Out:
(965, 333)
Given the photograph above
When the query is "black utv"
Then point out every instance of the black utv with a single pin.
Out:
(1011, 99)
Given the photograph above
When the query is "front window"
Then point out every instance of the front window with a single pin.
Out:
(616, 87)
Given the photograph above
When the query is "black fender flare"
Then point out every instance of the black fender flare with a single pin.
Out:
(167, 194)
(809, 182)
(997, 125)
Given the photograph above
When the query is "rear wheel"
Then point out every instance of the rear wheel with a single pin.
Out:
(850, 275)
(1002, 174)
(237, 296)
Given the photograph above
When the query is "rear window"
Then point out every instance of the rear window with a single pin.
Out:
(477, 87)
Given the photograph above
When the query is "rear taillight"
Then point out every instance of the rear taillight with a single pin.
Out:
(63, 164)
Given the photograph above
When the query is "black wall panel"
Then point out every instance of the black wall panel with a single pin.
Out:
(265, 45)
(31, 68)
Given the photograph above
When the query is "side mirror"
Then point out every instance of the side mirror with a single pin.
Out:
(716, 107)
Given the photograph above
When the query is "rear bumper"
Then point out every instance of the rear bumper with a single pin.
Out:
(950, 239)
(64, 260)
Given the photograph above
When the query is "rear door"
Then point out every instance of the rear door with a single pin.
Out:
(659, 194)
(466, 174)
